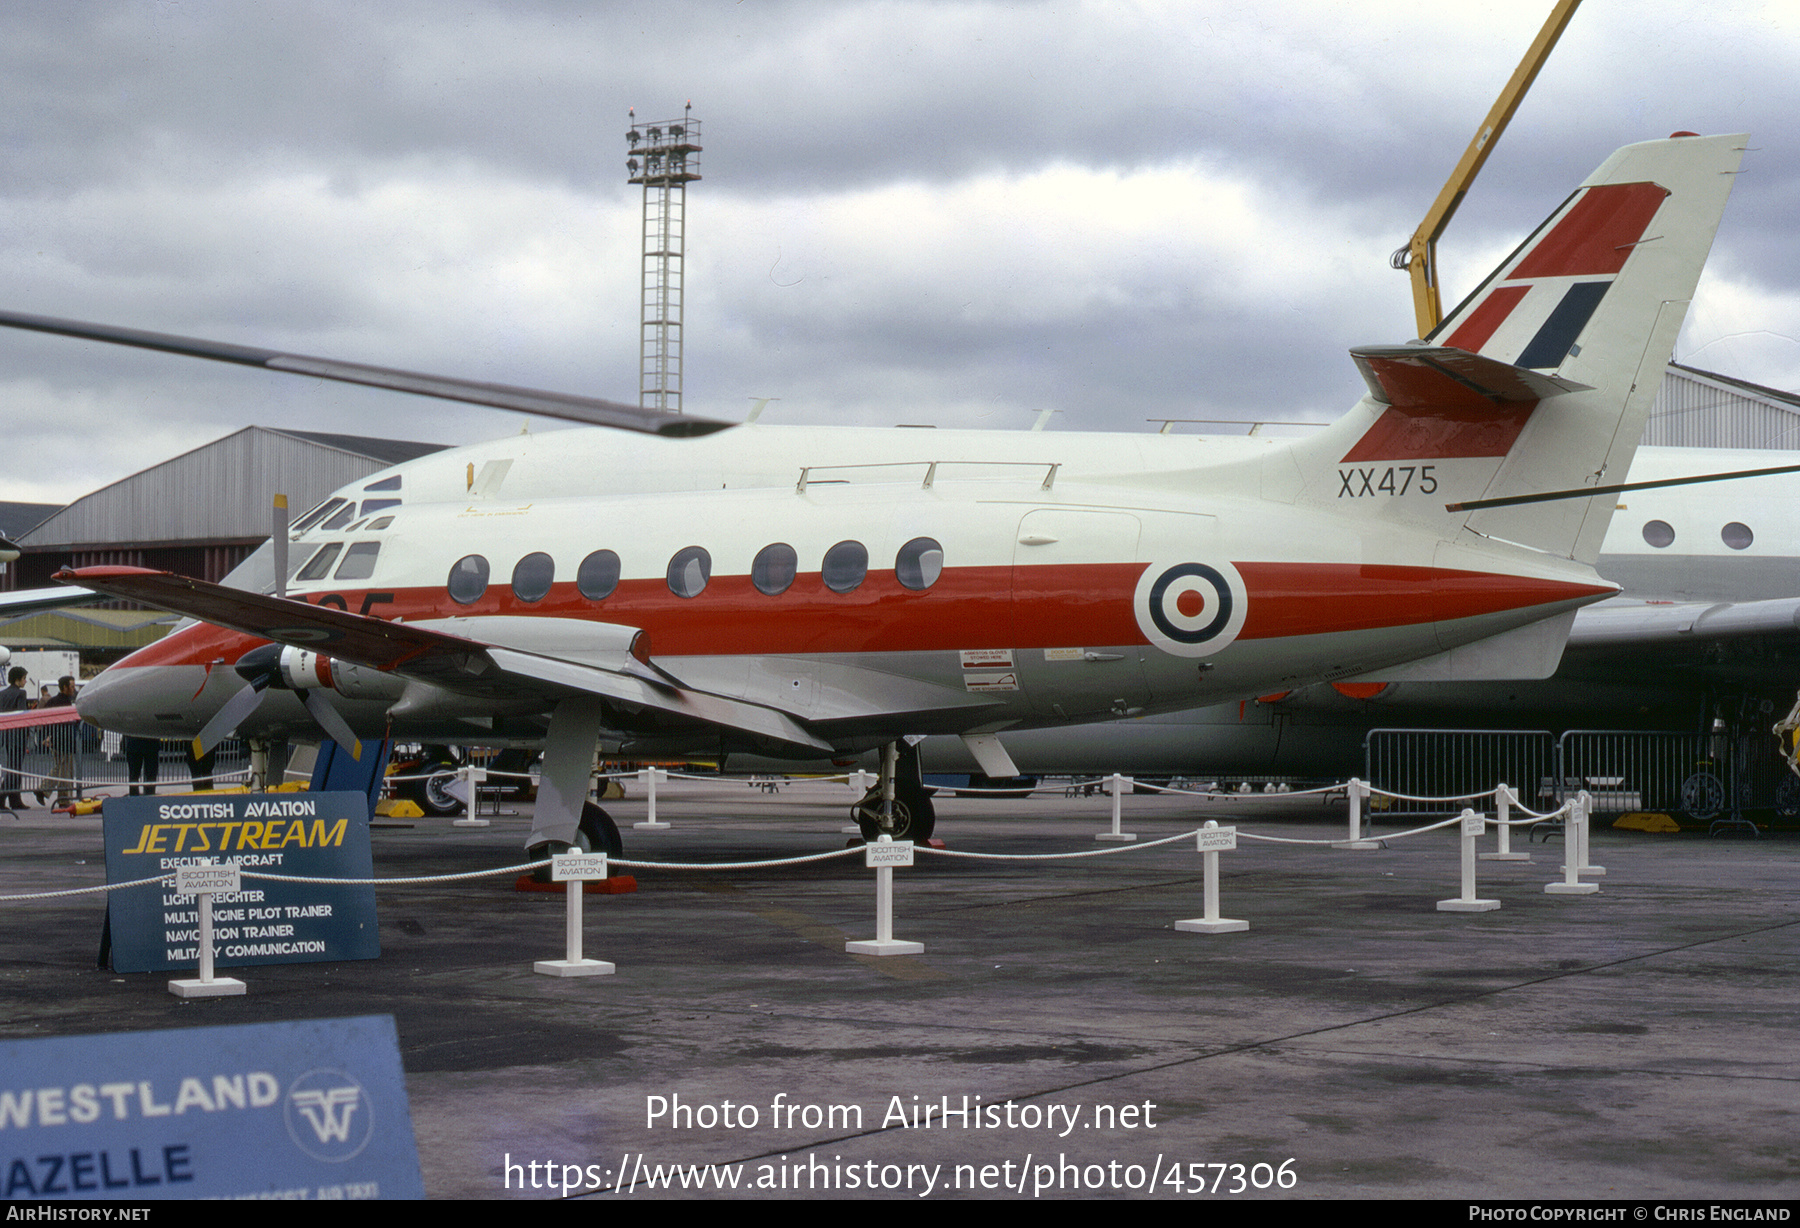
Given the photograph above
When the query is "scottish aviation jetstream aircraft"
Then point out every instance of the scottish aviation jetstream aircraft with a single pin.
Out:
(803, 591)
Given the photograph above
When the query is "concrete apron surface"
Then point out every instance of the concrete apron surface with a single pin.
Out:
(1354, 1042)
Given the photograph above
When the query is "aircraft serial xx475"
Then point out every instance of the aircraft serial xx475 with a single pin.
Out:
(682, 585)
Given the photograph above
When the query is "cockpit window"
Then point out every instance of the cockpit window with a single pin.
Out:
(340, 518)
(359, 562)
(919, 563)
(318, 513)
(468, 579)
(320, 566)
(380, 522)
(387, 483)
(532, 576)
(376, 505)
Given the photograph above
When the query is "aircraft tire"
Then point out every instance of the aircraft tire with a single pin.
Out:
(914, 816)
(433, 793)
(598, 833)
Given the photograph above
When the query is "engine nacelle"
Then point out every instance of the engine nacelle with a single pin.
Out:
(305, 671)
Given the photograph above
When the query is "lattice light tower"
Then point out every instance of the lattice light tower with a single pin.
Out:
(664, 158)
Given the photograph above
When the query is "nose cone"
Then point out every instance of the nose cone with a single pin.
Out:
(145, 701)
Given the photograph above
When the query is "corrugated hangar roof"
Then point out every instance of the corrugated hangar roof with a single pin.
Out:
(1702, 409)
(221, 491)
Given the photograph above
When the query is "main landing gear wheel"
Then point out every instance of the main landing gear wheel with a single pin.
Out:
(914, 817)
(596, 833)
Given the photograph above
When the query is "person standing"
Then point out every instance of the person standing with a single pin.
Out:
(141, 763)
(13, 698)
(63, 739)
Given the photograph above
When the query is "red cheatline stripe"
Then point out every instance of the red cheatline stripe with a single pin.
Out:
(969, 608)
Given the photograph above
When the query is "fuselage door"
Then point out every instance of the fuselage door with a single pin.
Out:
(1074, 572)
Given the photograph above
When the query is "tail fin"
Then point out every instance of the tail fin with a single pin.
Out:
(1542, 378)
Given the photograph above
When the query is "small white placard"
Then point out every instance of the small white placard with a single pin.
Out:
(567, 867)
(192, 880)
(1473, 824)
(893, 853)
(1216, 840)
(986, 658)
(991, 680)
(1065, 654)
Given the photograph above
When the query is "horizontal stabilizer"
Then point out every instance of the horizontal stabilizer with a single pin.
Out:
(1439, 377)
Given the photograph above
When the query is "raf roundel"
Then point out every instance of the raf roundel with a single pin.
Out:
(1190, 609)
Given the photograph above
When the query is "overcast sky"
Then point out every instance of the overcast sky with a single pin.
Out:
(957, 213)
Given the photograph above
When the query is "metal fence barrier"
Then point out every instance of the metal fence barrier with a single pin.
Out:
(1706, 777)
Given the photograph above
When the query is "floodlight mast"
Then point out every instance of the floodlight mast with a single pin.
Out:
(664, 158)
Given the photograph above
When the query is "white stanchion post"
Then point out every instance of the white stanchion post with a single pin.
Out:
(1571, 882)
(883, 854)
(575, 869)
(201, 881)
(1357, 792)
(1472, 826)
(1503, 801)
(472, 777)
(1587, 822)
(1210, 841)
(648, 778)
(1115, 784)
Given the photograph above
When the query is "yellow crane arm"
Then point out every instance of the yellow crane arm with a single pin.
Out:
(1419, 257)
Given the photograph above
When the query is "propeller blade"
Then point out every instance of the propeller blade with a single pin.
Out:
(279, 539)
(332, 723)
(236, 711)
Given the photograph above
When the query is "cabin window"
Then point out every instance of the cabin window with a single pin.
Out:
(845, 566)
(321, 563)
(468, 579)
(774, 568)
(359, 562)
(376, 505)
(1659, 533)
(1737, 535)
(532, 576)
(689, 571)
(919, 563)
(598, 575)
(317, 514)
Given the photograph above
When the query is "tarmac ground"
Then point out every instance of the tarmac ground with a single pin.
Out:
(1638, 1043)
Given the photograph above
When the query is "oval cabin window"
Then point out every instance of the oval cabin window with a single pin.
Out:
(468, 579)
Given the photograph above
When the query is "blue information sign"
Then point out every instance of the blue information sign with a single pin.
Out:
(309, 1110)
(320, 835)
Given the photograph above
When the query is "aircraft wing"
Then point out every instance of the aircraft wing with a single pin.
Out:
(592, 410)
(37, 600)
(1623, 623)
(32, 718)
(615, 665)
